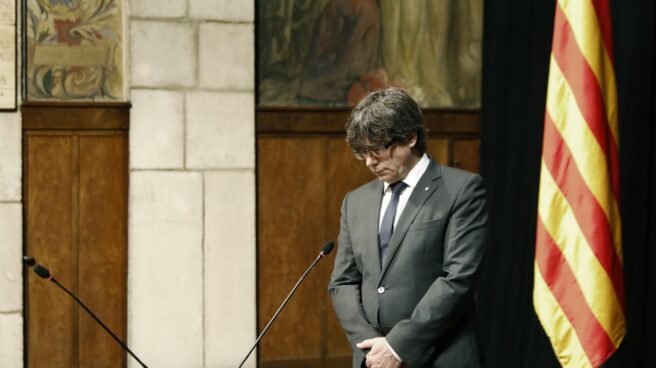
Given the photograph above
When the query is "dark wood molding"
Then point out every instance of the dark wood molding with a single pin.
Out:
(76, 103)
(76, 115)
(348, 108)
(325, 120)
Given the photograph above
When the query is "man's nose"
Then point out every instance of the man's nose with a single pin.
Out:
(370, 160)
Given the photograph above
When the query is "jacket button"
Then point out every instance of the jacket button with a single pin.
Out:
(381, 290)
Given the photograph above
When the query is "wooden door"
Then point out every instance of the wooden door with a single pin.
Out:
(304, 169)
(75, 203)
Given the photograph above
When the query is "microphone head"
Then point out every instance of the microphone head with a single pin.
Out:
(327, 248)
(42, 271)
(29, 261)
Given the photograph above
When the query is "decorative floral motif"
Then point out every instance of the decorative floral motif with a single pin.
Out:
(63, 28)
(74, 49)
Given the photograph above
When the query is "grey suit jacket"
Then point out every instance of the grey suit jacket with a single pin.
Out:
(422, 299)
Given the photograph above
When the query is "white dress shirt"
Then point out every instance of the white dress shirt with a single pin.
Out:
(411, 181)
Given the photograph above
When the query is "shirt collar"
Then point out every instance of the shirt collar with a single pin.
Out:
(415, 173)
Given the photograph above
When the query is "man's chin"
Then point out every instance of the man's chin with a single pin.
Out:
(386, 178)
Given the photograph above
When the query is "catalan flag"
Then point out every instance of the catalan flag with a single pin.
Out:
(578, 290)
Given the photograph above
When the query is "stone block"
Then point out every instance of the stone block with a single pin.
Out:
(11, 340)
(158, 8)
(230, 267)
(220, 130)
(226, 56)
(225, 10)
(11, 250)
(162, 54)
(165, 272)
(10, 157)
(156, 129)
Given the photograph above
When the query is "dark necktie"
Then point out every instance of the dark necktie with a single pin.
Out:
(387, 225)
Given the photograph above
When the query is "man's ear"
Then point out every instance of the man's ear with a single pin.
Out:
(412, 140)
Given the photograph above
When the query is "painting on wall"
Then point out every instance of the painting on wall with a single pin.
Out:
(333, 52)
(74, 50)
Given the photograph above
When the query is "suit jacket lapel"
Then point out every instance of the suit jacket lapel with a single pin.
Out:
(425, 187)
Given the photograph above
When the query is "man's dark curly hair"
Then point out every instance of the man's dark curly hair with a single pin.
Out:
(384, 115)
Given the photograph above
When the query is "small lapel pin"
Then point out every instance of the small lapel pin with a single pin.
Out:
(426, 188)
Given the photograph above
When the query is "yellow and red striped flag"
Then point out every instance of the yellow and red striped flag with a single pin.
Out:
(578, 290)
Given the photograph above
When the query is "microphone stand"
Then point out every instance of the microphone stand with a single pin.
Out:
(327, 249)
(45, 274)
(97, 320)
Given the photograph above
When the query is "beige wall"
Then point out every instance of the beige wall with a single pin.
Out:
(191, 287)
(191, 277)
(11, 242)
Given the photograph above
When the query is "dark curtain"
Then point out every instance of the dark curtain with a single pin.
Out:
(517, 43)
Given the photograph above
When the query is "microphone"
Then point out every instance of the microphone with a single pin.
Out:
(29, 261)
(44, 273)
(327, 248)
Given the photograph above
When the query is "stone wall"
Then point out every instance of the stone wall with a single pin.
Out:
(191, 272)
(11, 242)
(11, 237)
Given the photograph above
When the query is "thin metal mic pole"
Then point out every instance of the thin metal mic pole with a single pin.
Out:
(98, 320)
(275, 315)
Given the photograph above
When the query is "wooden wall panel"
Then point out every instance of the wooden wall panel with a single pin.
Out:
(291, 233)
(438, 149)
(75, 159)
(50, 239)
(466, 154)
(102, 252)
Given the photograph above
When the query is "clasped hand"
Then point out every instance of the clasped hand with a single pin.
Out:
(380, 355)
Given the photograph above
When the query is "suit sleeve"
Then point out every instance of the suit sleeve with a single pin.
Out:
(450, 296)
(345, 288)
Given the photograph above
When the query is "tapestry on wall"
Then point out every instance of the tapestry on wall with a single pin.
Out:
(74, 50)
(333, 52)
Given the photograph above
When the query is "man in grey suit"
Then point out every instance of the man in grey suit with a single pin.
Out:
(410, 245)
